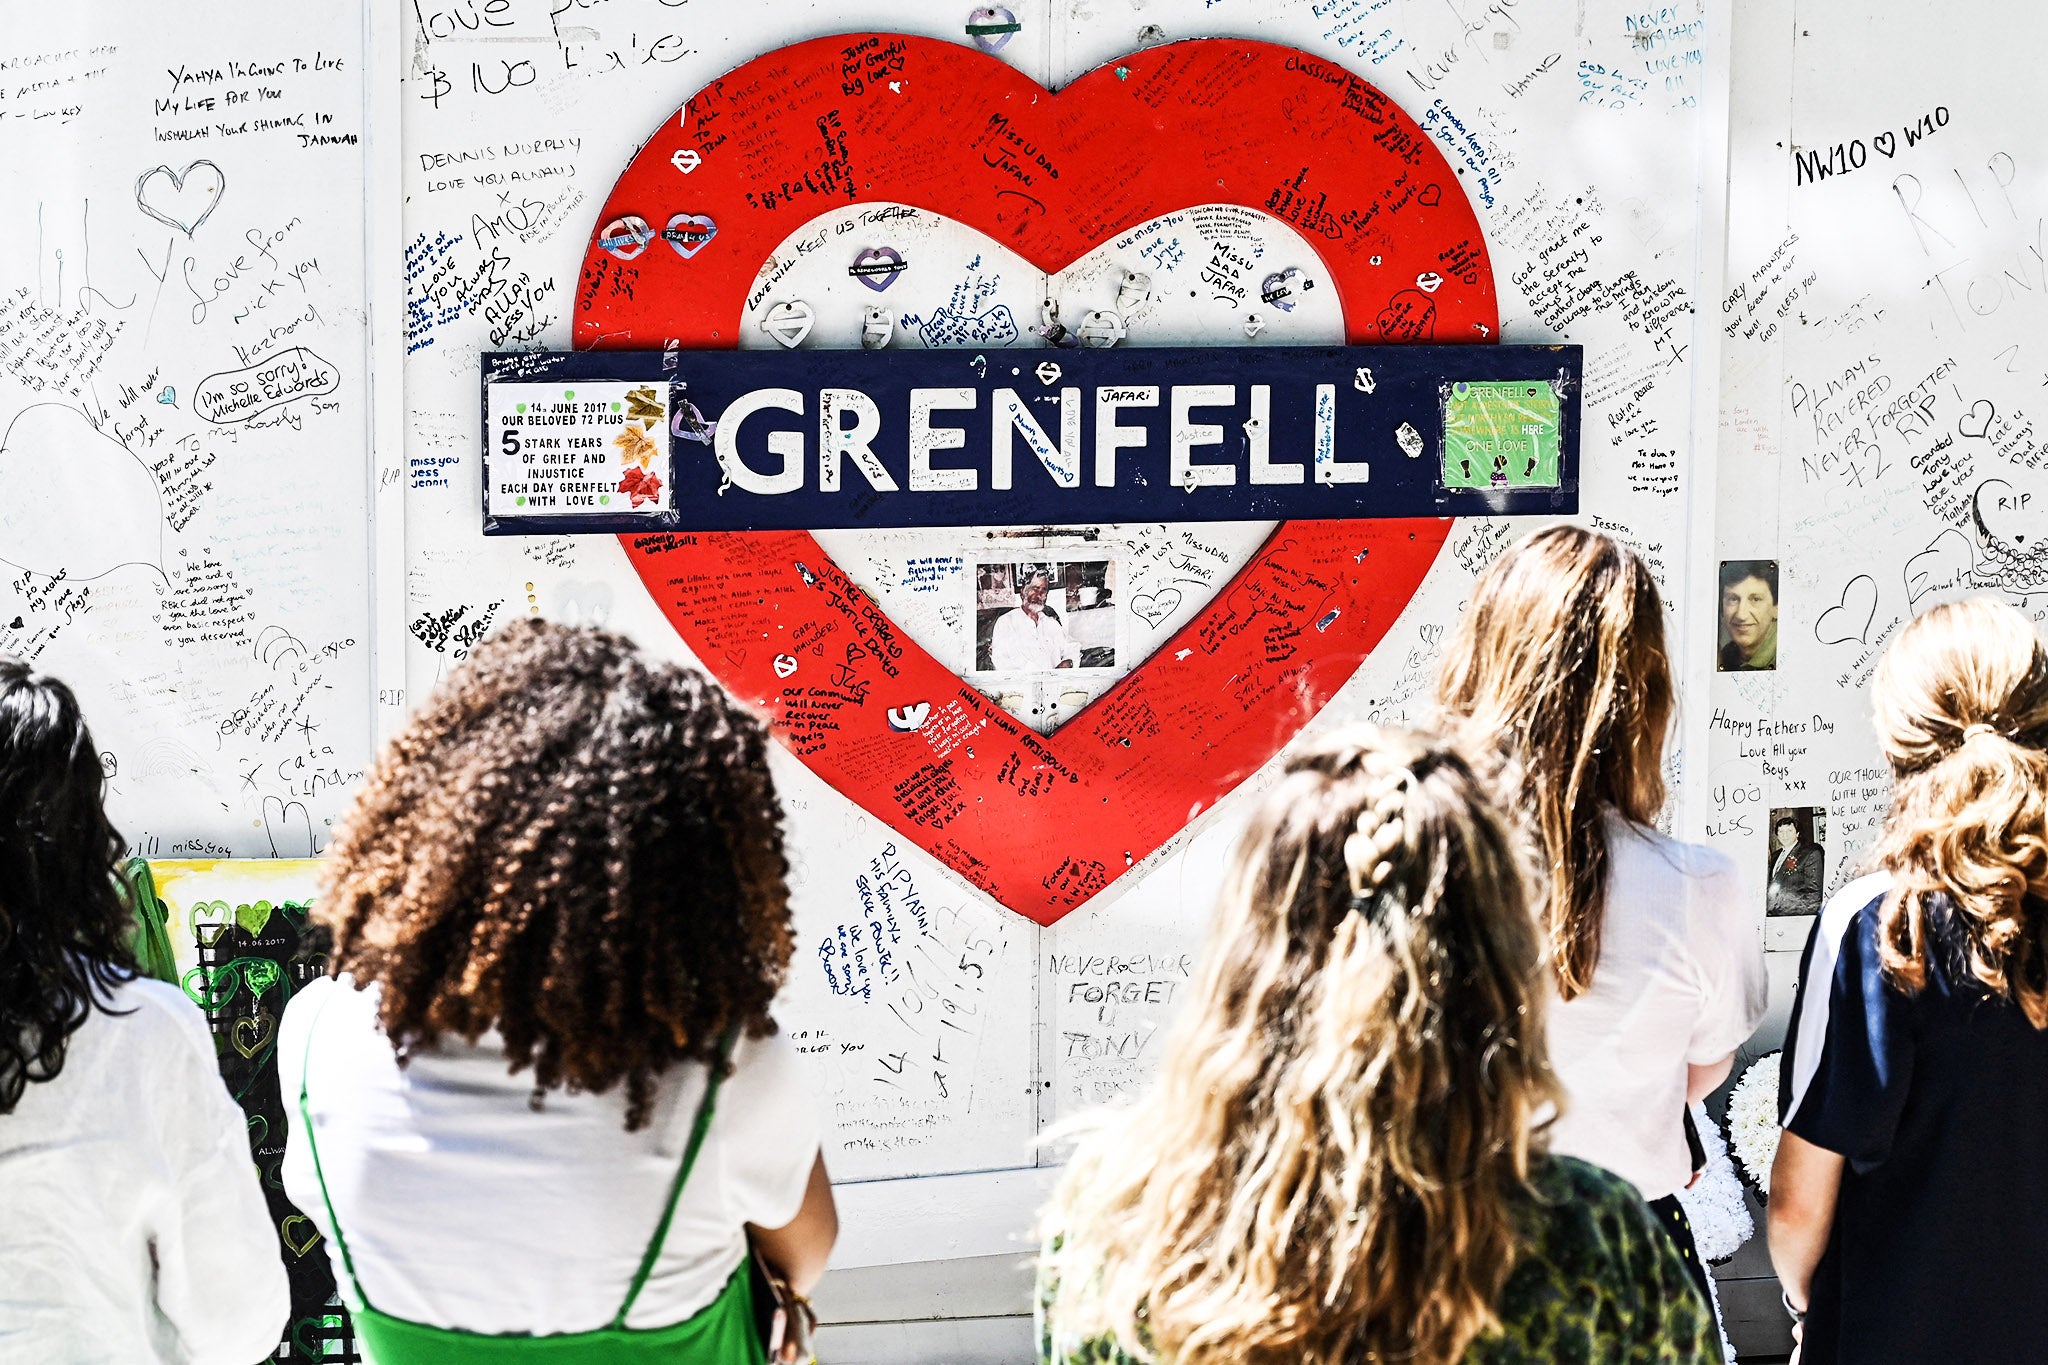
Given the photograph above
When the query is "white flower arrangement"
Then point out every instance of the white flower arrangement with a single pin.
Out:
(1719, 1214)
(1713, 1203)
(1753, 1119)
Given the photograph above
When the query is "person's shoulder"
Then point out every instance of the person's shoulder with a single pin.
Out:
(337, 1003)
(1644, 850)
(765, 1067)
(142, 1006)
(1567, 1180)
(1854, 909)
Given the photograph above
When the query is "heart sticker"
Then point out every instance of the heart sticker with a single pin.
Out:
(251, 1034)
(877, 267)
(254, 918)
(181, 199)
(1131, 142)
(789, 323)
(209, 920)
(1284, 288)
(689, 233)
(298, 1233)
(992, 27)
(168, 397)
(626, 237)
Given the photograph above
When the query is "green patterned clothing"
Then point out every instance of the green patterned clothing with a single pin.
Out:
(1598, 1284)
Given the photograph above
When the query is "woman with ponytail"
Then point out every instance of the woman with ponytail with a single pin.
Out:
(1906, 1196)
(1557, 681)
(1343, 1159)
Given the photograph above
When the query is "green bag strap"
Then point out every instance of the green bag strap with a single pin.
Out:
(702, 1126)
(313, 1146)
(153, 951)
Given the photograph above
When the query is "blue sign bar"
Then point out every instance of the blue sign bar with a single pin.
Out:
(811, 440)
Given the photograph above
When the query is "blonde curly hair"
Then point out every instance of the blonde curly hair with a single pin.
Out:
(1328, 1167)
(1961, 707)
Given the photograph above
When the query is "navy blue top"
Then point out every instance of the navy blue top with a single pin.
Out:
(1940, 1103)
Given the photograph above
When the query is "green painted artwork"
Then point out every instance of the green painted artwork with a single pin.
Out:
(1501, 433)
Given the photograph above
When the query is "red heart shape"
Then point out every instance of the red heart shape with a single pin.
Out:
(1041, 823)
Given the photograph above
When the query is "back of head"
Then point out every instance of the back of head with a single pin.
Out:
(64, 927)
(1961, 707)
(1558, 671)
(1328, 1165)
(577, 846)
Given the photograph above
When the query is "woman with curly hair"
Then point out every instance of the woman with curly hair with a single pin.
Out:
(1557, 682)
(1906, 1195)
(543, 1104)
(1343, 1158)
(132, 1226)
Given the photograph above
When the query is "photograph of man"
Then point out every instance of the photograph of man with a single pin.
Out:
(1030, 637)
(1797, 862)
(1749, 615)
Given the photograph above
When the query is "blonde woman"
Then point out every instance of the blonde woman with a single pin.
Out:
(1907, 1193)
(1557, 677)
(1342, 1160)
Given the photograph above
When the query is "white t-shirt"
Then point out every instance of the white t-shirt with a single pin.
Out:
(466, 1208)
(1022, 645)
(132, 1226)
(1680, 981)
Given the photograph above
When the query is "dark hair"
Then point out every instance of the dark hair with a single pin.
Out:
(65, 929)
(1735, 571)
(1801, 820)
(574, 845)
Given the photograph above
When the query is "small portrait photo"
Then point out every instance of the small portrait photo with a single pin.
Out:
(1798, 871)
(1749, 615)
(1034, 616)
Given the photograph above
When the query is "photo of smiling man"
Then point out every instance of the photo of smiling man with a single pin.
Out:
(1749, 616)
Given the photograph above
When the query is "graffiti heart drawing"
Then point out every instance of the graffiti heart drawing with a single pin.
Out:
(181, 199)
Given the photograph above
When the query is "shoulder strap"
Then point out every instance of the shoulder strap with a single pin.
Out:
(702, 1126)
(306, 1123)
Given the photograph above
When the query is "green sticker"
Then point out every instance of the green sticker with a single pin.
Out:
(522, 407)
(1501, 433)
(617, 406)
(254, 918)
(603, 501)
(519, 502)
(569, 394)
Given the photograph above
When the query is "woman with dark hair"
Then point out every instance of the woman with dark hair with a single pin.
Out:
(1344, 1157)
(1558, 680)
(544, 1106)
(1906, 1194)
(132, 1226)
